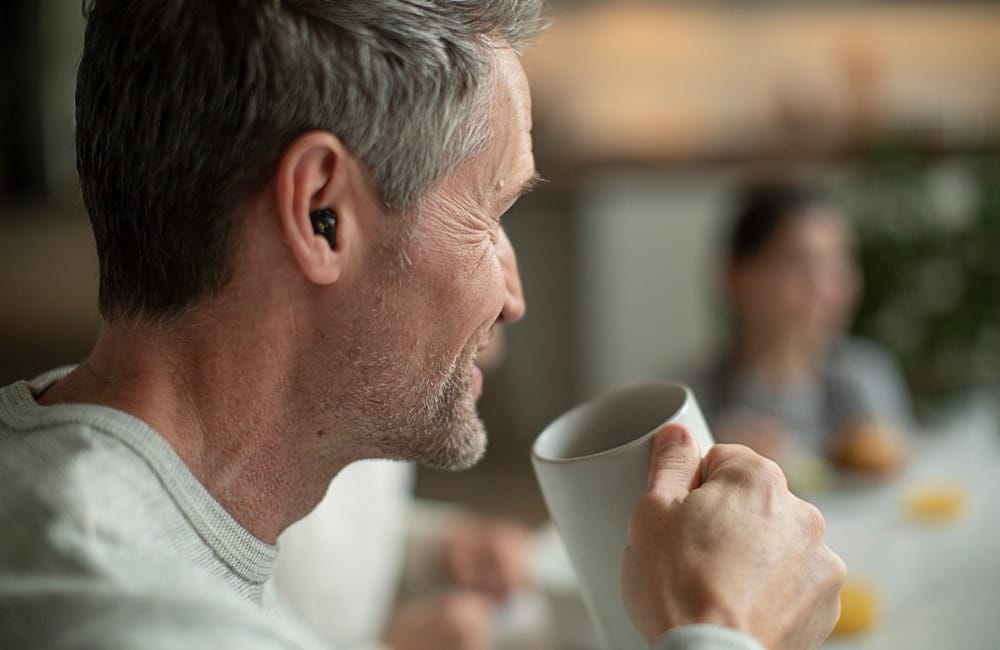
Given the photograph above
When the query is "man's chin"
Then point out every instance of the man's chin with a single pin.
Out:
(463, 450)
(457, 465)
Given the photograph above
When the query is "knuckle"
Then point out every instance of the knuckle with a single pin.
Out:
(770, 473)
(839, 569)
(745, 467)
(832, 573)
(813, 520)
(754, 472)
(723, 452)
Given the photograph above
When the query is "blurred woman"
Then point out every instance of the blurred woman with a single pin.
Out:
(790, 382)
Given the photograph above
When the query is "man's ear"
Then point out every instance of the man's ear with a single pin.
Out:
(315, 175)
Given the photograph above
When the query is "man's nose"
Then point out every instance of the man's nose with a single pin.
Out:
(513, 303)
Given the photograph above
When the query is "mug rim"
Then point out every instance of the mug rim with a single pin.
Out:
(606, 397)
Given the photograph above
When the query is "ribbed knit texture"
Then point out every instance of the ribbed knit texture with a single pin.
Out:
(105, 534)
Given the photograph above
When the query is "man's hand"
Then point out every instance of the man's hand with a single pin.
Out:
(488, 555)
(738, 550)
(457, 621)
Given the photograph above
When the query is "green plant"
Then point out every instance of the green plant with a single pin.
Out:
(929, 246)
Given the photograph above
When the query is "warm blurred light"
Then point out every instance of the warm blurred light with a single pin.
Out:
(640, 80)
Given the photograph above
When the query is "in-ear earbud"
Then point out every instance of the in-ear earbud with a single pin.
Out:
(324, 222)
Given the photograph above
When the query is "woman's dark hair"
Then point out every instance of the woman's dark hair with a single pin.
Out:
(762, 209)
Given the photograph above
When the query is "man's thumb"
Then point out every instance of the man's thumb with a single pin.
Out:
(675, 464)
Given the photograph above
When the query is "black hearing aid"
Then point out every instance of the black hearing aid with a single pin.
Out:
(324, 222)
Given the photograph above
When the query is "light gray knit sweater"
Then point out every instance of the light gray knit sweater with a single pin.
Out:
(107, 541)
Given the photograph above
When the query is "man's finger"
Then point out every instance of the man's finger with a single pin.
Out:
(675, 465)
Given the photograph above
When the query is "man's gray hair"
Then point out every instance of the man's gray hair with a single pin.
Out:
(410, 82)
(184, 108)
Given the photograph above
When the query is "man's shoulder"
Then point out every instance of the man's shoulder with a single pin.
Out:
(30, 432)
(68, 590)
(74, 502)
(88, 554)
(66, 490)
(165, 604)
(52, 463)
(76, 459)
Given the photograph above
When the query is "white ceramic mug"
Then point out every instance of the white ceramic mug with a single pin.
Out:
(593, 466)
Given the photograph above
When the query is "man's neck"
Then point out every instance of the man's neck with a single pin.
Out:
(224, 411)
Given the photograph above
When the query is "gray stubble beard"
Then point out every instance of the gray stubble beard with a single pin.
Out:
(404, 409)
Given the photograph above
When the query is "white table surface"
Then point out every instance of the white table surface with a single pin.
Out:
(937, 584)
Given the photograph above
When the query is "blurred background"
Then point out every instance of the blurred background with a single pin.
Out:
(647, 116)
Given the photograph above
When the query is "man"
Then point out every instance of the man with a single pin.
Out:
(371, 561)
(296, 206)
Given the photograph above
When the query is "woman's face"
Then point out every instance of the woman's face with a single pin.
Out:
(802, 284)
